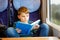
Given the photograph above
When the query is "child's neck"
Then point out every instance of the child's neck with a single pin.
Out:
(25, 22)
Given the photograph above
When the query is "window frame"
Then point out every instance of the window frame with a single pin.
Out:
(48, 21)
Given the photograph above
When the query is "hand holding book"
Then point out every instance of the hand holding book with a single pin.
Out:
(18, 30)
(36, 26)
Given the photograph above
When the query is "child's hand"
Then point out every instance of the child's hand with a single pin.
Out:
(18, 30)
(36, 26)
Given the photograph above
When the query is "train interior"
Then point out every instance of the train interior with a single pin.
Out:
(39, 9)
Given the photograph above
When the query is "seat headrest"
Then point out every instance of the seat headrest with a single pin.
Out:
(3, 5)
(32, 5)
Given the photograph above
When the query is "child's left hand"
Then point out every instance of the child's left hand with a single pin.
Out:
(36, 26)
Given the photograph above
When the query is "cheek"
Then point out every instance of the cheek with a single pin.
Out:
(19, 17)
(27, 16)
(23, 18)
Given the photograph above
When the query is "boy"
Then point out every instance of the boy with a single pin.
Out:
(23, 16)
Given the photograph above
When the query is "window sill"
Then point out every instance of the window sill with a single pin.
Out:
(56, 28)
(53, 25)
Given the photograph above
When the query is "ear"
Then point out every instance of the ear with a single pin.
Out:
(18, 16)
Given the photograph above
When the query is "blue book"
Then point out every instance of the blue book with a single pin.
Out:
(26, 28)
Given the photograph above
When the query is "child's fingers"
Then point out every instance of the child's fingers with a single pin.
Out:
(36, 26)
(18, 30)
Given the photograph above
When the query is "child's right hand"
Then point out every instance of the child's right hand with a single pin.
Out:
(18, 30)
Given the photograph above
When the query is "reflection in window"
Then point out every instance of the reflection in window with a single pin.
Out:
(54, 13)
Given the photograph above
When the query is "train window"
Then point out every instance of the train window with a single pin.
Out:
(54, 11)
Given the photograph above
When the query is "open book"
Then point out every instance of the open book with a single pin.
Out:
(26, 28)
(36, 22)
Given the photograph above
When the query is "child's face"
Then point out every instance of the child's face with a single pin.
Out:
(23, 17)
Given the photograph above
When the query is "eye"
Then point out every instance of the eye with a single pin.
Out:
(27, 15)
(23, 16)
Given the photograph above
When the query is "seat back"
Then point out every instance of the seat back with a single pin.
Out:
(4, 12)
(33, 8)
(34, 12)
